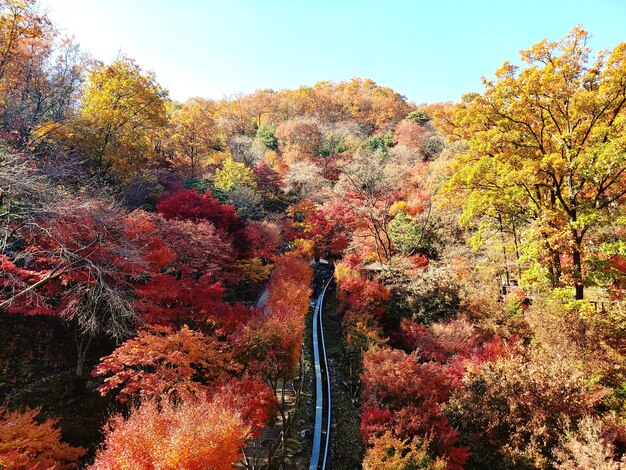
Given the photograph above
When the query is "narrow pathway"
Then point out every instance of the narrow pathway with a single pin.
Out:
(257, 453)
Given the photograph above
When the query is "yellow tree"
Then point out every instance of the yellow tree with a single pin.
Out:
(120, 107)
(121, 111)
(552, 132)
(233, 174)
(387, 452)
(193, 134)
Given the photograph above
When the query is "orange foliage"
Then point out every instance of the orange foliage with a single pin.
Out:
(363, 303)
(361, 100)
(160, 361)
(141, 229)
(28, 445)
(390, 453)
(367, 297)
(403, 395)
(255, 400)
(369, 103)
(320, 231)
(409, 134)
(290, 286)
(194, 435)
(273, 161)
(298, 140)
(271, 345)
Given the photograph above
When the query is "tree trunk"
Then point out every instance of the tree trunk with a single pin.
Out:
(554, 263)
(82, 347)
(516, 242)
(555, 268)
(283, 417)
(578, 273)
(504, 255)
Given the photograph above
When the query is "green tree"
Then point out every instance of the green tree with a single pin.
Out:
(266, 135)
(380, 143)
(407, 235)
(417, 116)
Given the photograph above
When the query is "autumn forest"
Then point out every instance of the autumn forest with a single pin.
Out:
(164, 263)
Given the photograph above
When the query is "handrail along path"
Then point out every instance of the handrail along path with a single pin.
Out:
(320, 458)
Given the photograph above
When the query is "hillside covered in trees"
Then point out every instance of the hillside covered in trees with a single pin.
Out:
(479, 253)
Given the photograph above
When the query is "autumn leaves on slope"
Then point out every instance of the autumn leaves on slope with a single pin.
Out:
(538, 170)
(203, 388)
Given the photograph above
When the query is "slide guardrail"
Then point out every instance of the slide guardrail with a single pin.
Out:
(323, 399)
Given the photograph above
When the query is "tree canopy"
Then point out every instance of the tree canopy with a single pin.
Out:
(547, 138)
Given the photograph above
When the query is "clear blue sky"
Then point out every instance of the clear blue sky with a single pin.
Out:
(428, 50)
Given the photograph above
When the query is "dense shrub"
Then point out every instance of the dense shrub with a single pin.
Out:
(511, 412)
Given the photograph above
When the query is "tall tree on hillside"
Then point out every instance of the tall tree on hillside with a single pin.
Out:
(367, 191)
(122, 108)
(193, 134)
(40, 73)
(553, 133)
(298, 140)
(20, 26)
